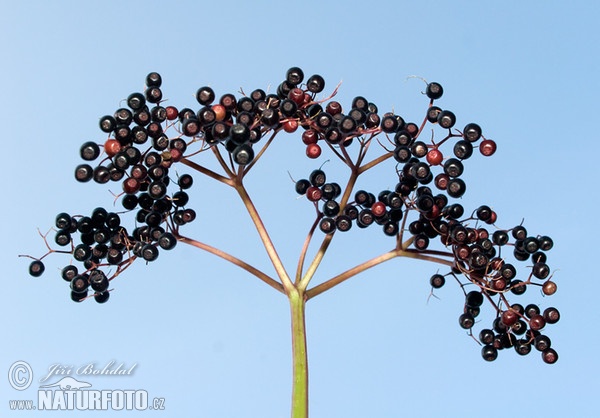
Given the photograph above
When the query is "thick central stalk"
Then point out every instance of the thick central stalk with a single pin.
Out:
(300, 356)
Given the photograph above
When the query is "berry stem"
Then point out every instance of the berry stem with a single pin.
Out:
(299, 355)
(206, 171)
(234, 260)
(374, 162)
(305, 249)
(310, 272)
(265, 238)
(334, 281)
(260, 153)
(228, 169)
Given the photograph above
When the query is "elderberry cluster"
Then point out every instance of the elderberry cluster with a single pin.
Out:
(386, 210)
(100, 241)
(478, 254)
(479, 257)
(146, 139)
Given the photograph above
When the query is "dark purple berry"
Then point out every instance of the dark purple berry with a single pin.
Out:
(243, 154)
(80, 284)
(84, 173)
(551, 315)
(437, 281)
(102, 297)
(167, 241)
(315, 84)
(327, 225)
(98, 281)
(294, 76)
(153, 79)
(486, 336)
(489, 352)
(446, 119)
(149, 252)
(89, 151)
(542, 342)
(434, 90)
(550, 356)
(205, 95)
(472, 132)
(466, 320)
(36, 268)
(343, 223)
(69, 272)
(474, 299)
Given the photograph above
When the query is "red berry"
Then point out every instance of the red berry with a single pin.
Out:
(487, 147)
(297, 95)
(549, 288)
(176, 155)
(307, 99)
(290, 126)
(112, 147)
(131, 185)
(313, 151)
(492, 219)
(220, 112)
(310, 136)
(435, 157)
(378, 209)
(509, 317)
(314, 194)
(172, 112)
(499, 284)
(537, 322)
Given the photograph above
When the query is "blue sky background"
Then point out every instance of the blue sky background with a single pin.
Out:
(214, 341)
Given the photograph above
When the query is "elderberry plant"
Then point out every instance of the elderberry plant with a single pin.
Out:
(422, 217)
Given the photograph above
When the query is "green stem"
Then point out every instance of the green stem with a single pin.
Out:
(299, 355)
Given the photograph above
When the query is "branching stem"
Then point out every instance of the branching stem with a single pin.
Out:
(234, 260)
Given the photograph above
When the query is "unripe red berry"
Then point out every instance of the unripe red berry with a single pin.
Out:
(549, 288)
(112, 147)
(378, 209)
(220, 112)
(435, 157)
(131, 185)
(537, 322)
(314, 194)
(297, 95)
(509, 317)
(487, 147)
(290, 126)
(172, 112)
(310, 136)
(313, 151)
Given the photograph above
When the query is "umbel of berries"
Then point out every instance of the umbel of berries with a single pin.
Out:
(150, 153)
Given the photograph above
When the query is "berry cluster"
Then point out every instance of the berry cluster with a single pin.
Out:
(100, 240)
(145, 139)
(479, 258)
(477, 253)
(366, 209)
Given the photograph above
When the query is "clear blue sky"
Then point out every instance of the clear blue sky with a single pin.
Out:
(214, 341)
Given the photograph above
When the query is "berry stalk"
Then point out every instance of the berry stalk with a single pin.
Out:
(299, 355)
